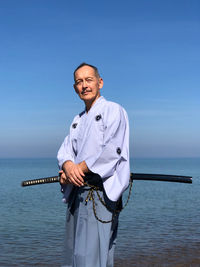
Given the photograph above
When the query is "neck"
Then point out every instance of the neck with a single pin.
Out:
(90, 103)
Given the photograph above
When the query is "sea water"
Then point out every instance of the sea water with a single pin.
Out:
(159, 227)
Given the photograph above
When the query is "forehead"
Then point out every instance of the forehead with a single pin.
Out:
(84, 71)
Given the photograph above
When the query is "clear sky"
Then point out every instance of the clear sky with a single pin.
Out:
(147, 51)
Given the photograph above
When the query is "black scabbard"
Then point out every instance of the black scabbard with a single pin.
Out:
(161, 177)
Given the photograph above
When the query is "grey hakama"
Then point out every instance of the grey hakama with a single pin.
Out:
(89, 242)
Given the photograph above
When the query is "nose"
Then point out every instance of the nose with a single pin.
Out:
(84, 84)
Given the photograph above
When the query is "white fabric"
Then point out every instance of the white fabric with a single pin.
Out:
(101, 139)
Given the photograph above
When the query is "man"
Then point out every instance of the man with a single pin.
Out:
(95, 153)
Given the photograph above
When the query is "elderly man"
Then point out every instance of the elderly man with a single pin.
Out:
(94, 164)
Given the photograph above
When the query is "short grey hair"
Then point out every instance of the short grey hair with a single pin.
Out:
(89, 65)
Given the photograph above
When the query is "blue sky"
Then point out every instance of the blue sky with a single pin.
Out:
(146, 51)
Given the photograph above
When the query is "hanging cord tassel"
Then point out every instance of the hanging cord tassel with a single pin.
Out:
(115, 212)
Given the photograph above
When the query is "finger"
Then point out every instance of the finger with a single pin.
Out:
(78, 176)
(59, 173)
(80, 171)
(78, 181)
(73, 181)
(74, 175)
(63, 181)
(63, 178)
(63, 175)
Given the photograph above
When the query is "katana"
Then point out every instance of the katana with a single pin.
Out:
(133, 177)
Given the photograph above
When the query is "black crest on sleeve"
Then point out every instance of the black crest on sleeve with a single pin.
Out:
(74, 125)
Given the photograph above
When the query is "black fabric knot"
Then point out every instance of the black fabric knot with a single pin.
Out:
(119, 151)
(98, 117)
(74, 125)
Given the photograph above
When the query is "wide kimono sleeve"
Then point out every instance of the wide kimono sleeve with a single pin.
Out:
(65, 152)
(115, 147)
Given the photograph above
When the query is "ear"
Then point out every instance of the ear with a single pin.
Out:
(100, 83)
(75, 88)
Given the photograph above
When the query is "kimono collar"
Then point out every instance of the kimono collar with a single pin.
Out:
(97, 102)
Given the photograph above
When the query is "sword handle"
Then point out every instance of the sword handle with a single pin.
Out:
(47, 180)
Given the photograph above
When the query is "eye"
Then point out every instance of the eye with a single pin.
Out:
(78, 82)
(89, 80)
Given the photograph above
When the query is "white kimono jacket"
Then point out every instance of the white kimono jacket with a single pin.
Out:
(101, 139)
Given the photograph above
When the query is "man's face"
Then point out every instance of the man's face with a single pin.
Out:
(87, 84)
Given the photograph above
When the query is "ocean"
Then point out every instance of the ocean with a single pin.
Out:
(159, 227)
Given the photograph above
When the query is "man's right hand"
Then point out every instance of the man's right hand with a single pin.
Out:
(73, 172)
